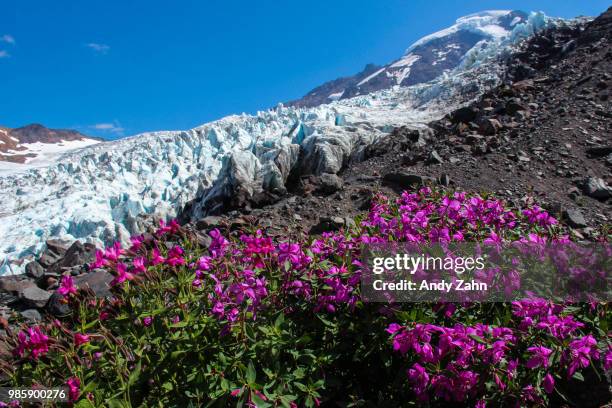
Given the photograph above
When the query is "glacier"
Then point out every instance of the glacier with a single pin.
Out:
(108, 191)
(486, 24)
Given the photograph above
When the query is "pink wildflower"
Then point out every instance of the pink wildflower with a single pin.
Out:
(580, 353)
(74, 385)
(204, 263)
(156, 257)
(548, 383)
(100, 261)
(114, 252)
(137, 242)
(67, 286)
(80, 339)
(608, 359)
(122, 275)
(418, 377)
(175, 256)
(139, 265)
(539, 357)
(164, 228)
(493, 239)
(218, 245)
(32, 340)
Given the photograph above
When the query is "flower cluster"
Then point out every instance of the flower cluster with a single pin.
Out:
(226, 299)
(447, 358)
(545, 315)
(580, 354)
(67, 287)
(34, 341)
(270, 322)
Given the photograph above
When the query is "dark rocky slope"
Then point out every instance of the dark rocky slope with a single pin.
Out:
(546, 132)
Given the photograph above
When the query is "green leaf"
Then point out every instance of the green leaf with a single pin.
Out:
(251, 374)
(84, 403)
(260, 403)
(299, 373)
(115, 403)
(135, 373)
(325, 321)
(305, 339)
(90, 387)
(174, 355)
(269, 373)
(301, 386)
(89, 326)
(478, 339)
(279, 320)
(578, 376)
(250, 332)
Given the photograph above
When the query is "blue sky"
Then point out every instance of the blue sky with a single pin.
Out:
(119, 67)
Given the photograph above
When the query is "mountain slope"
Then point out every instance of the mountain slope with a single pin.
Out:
(111, 190)
(36, 145)
(544, 134)
(428, 58)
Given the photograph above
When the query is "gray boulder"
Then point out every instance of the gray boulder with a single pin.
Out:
(329, 183)
(574, 218)
(464, 115)
(54, 251)
(327, 224)
(434, 158)
(209, 222)
(15, 284)
(489, 127)
(57, 306)
(34, 270)
(98, 281)
(34, 296)
(31, 315)
(77, 255)
(596, 188)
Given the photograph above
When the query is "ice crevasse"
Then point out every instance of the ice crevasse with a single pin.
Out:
(101, 193)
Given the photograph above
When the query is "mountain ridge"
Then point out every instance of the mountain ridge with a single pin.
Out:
(426, 59)
(37, 144)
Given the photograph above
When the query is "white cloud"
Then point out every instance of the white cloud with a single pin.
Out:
(108, 127)
(7, 38)
(4, 54)
(98, 48)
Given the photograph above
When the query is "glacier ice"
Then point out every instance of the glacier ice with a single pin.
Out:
(103, 192)
(484, 22)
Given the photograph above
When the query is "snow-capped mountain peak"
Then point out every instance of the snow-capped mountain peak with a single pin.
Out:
(490, 23)
(37, 146)
(426, 59)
